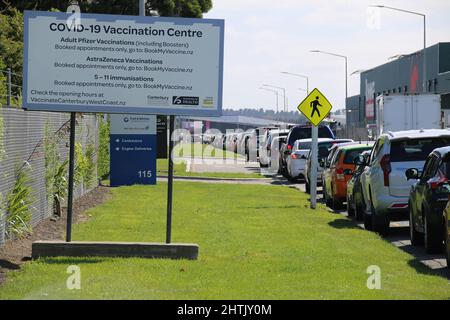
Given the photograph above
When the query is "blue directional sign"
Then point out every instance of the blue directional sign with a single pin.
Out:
(133, 150)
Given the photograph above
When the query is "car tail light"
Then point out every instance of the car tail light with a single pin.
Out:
(437, 182)
(340, 174)
(289, 147)
(294, 156)
(398, 205)
(385, 164)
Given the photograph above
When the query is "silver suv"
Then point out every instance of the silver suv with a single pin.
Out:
(385, 189)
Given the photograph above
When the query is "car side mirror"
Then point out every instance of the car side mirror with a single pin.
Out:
(359, 160)
(321, 163)
(412, 174)
(444, 188)
(348, 172)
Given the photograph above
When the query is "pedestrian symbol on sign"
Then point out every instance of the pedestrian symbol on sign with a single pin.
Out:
(315, 107)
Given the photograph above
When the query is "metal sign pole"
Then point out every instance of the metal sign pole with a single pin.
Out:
(170, 181)
(71, 173)
(314, 164)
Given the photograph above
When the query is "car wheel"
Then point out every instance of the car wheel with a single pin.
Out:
(350, 210)
(433, 240)
(359, 209)
(447, 242)
(416, 237)
(335, 203)
(367, 221)
(380, 223)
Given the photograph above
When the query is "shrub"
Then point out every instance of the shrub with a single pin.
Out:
(18, 201)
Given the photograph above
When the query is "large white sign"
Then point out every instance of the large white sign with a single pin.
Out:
(123, 64)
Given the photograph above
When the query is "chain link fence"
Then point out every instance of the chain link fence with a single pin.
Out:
(23, 144)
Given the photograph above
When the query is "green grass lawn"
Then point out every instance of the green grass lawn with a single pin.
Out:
(256, 242)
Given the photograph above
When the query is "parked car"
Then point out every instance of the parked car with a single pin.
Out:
(384, 184)
(324, 146)
(298, 133)
(340, 172)
(256, 140)
(265, 149)
(297, 160)
(427, 200)
(274, 159)
(324, 163)
(354, 193)
(243, 143)
(447, 233)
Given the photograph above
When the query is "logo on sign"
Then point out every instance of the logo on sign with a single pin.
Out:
(190, 101)
(126, 119)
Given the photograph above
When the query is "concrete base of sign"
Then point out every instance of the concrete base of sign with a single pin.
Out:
(114, 249)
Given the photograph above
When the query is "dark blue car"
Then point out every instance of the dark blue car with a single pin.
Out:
(428, 199)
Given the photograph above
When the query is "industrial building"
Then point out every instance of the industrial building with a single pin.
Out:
(404, 75)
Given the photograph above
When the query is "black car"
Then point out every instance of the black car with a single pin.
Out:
(447, 233)
(298, 133)
(355, 204)
(427, 200)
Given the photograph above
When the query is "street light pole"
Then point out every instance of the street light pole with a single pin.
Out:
(284, 94)
(424, 81)
(346, 72)
(274, 91)
(301, 76)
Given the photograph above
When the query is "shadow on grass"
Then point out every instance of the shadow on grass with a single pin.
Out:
(343, 224)
(423, 269)
(73, 260)
(5, 264)
(270, 207)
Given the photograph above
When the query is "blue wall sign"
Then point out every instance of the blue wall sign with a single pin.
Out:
(133, 150)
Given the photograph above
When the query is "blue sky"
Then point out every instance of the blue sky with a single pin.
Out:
(263, 38)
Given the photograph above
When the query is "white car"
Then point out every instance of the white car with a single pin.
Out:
(297, 159)
(265, 148)
(385, 188)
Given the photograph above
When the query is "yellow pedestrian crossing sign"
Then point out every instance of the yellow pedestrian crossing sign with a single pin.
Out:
(315, 107)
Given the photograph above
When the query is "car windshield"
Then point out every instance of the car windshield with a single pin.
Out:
(299, 133)
(304, 145)
(415, 149)
(350, 155)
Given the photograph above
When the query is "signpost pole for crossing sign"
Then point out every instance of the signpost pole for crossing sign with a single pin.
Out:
(315, 108)
(314, 164)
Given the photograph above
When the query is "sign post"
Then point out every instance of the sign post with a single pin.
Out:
(315, 107)
(124, 65)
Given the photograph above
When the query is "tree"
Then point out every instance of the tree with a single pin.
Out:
(11, 45)
(176, 8)
(3, 90)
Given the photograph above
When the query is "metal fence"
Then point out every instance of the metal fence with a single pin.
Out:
(23, 140)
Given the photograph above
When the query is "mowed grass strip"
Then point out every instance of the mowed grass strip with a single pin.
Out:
(256, 242)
